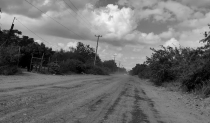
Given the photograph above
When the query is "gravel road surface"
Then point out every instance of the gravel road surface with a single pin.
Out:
(76, 99)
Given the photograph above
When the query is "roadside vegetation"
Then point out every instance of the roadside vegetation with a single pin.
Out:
(16, 51)
(187, 66)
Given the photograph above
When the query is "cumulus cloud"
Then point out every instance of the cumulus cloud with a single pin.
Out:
(180, 11)
(72, 44)
(168, 34)
(196, 3)
(172, 43)
(111, 21)
(38, 41)
(67, 46)
(117, 25)
(196, 23)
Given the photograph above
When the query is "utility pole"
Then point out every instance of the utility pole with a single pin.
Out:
(12, 26)
(114, 57)
(119, 67)
(0, 18)
(96, 48)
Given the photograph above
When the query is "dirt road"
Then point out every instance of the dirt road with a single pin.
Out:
(78, 99)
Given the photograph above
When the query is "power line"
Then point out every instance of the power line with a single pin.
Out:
(77, 14)
(53, 19)
(77, 10)
(31, 30)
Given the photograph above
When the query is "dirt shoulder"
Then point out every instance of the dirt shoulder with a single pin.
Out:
(176, 107)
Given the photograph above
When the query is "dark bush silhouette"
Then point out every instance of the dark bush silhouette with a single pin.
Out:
(18, 51)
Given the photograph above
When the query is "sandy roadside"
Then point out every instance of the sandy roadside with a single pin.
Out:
(175, 107)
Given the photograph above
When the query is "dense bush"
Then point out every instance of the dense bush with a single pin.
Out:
(72, 65)
(111, 65)
(8, 70)
(8, 55)
(187, 65)
(9, 60)
(96, 70)
(54, 68)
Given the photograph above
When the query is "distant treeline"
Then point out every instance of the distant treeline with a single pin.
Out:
(190, 66)
(17, 51)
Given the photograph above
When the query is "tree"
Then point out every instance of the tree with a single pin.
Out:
(111, 65)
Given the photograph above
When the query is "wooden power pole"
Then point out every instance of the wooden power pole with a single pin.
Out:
(114, 56)
(10, 31)
(119, 68)
(96, 48)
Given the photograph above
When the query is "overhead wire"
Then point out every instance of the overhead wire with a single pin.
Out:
(77, 14)
(31, 31)
(81, 17)
(78, 10)
(53, 19)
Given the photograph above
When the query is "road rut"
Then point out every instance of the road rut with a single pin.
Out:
(108, 99)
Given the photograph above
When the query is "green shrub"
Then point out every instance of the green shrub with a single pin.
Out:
(8, 55)
(72, 65)
(96, 70)
(54, 68)
(195, 77)
(8, 70)
(8, 60)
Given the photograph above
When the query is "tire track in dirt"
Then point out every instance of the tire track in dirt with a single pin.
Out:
(143, 110)
(113, 106)
(57, 94)
(82, 110)
(107, 106)
(48, 85)
(137, 114)
(113, 99)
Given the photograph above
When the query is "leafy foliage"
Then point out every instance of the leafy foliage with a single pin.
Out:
(111, 65)
(96, 70)
(8, 60)
(187, 65)
(18, 51)
(72, 65)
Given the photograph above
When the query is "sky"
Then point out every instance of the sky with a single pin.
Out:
(129, 28)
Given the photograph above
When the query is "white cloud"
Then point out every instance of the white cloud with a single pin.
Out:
(38, 41)
(72, 44)
(196, 3)
(192, 38)
(172, 43)
(168, 34)
(112, 22)
(61, 45)
(138, 4)
(119, 55)
(150, 38)
(196, 23)
(181, 11)
(119, 48)
(67, 46)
